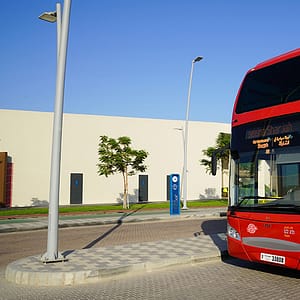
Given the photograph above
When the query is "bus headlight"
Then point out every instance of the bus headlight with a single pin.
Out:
(233, 233)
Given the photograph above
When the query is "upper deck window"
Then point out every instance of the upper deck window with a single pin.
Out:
(269, 86)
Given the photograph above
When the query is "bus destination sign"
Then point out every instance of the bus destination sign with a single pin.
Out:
(277, 141)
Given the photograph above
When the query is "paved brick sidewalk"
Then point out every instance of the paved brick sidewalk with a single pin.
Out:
(90, 265)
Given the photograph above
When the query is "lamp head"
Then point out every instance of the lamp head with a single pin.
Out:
(198, 58)
(49, 16)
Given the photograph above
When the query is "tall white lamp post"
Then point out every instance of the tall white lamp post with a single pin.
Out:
(52, 254)
(186, 128)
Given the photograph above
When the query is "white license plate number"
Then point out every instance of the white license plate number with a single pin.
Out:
(277, 259)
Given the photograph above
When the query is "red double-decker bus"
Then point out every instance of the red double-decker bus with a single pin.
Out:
(264, 186)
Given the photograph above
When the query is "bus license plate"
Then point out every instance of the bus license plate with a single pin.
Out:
(272, 258)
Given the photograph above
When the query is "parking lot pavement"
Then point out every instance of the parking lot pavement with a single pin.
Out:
(90, 265)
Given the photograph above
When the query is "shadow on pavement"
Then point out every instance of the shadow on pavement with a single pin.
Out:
(107, 233)
(216, 229)
(281, 271)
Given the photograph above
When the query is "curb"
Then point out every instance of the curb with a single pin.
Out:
(15, 274)
(94, 265)
(36, 224)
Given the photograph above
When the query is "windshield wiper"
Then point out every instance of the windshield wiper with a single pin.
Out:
(257, 198)
(280, 205)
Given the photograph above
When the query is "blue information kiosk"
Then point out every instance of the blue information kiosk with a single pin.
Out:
(174, 194)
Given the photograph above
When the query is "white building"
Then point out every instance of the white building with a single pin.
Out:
(26, 137)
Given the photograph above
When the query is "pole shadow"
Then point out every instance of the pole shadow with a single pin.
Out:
(106, 234)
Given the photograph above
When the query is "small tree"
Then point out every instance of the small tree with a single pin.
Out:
(222, 141)
(117, 156)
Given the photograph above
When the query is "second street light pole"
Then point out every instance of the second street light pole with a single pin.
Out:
(186, 128)
(52, 254)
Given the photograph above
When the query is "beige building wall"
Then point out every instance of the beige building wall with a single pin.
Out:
(27, 137)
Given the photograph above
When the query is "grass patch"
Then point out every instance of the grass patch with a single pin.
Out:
(112, 207)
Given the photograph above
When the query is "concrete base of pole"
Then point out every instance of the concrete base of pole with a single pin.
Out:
(59, 258)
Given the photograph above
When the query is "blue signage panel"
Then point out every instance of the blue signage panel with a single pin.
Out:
(174, 194)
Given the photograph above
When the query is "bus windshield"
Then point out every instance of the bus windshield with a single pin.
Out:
(267, 180)
(265, 164)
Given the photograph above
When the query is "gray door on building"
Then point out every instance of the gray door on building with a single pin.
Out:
(168, 187)
(76, 188)
(143, 188)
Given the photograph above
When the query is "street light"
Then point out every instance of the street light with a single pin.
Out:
(52, 17)
(184, 192)
(52, 254)
(49, 16)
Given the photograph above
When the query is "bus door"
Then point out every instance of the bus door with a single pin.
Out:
(289, 177)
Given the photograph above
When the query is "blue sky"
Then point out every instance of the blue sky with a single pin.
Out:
(133, 58)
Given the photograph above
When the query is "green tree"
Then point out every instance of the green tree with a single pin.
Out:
(117, 156)
(222, 141)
